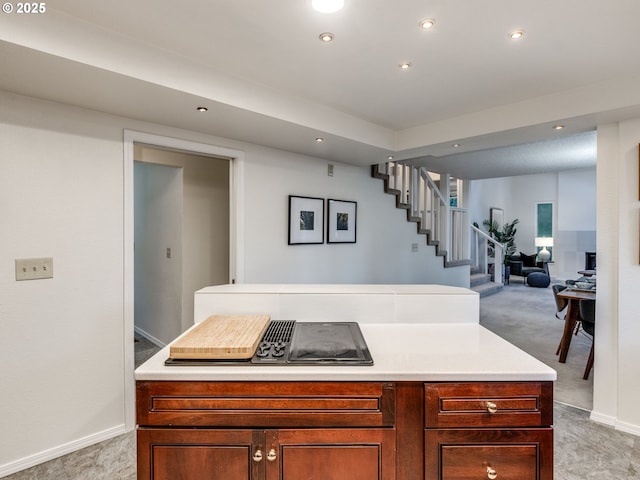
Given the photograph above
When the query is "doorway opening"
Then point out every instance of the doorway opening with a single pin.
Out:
(166, 184)
(181, 228)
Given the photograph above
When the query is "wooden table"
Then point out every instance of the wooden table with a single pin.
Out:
(573, 315)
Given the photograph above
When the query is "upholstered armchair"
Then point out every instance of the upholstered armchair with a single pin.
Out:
(522, 265)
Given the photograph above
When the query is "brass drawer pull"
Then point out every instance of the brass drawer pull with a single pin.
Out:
(491, 473)
(492, 408)
(257, 456)
(271, 456)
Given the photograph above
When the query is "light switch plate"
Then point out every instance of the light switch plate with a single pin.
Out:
(34, 268)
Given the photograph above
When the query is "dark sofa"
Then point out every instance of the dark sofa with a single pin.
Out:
(522, 265)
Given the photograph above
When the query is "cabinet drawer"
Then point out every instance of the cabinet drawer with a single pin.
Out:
(492, 404)
(489, 454)
(265, 404)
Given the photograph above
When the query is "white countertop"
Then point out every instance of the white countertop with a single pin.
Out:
(341, 289)
(401, 352)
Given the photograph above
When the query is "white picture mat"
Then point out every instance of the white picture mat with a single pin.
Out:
(297, 205)
(336, 233)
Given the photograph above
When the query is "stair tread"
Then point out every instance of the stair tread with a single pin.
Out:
(487, 289)
(478, 279)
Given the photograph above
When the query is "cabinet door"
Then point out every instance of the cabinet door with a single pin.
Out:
(174, 454)
(335, 454)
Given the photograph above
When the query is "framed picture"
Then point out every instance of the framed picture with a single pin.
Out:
(306, 220)
(496, 215)
(341, 221)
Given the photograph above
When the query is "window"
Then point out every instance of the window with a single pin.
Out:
(544, 222)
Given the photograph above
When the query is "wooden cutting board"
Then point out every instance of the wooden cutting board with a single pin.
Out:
(222, 336)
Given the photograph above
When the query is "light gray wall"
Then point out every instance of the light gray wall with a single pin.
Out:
(573, 194)
(382, 253)
(61, 195)
(158, 227)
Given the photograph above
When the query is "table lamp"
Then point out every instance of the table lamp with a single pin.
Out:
(544, 255)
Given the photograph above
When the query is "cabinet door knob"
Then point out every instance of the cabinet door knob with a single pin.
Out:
(257, 456)
(271, 456)
(492, 408)
(491, 473)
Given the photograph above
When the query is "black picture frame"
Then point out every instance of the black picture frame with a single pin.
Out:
(341, 221)
(306, 220)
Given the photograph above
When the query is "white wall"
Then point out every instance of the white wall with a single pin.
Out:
(573, 194)
(61, 195)
(158, 276)
(617, 352)
(382, 253)
(61, 345)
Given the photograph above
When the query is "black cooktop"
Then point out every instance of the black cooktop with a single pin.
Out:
(339, 342)
(288, 342)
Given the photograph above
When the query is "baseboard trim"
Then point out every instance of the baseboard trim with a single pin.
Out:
(59, 451)
(604, 419)
(573, 406)
(628, 428)
(613, 422)
(151, 338)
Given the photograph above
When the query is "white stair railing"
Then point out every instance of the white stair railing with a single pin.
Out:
(482, 245)
(429, 206)
(459, 238)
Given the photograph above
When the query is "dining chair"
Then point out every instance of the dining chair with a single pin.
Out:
(588, 318)
(561, 303)
(561, 308)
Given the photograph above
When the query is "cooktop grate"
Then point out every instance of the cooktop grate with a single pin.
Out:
(279, 331)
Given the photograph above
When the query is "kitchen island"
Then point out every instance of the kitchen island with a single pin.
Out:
(441, 401)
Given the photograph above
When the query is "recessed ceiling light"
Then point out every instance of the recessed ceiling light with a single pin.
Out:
(455, 145)
(558, 127)
(319, 139)
(202, 109)
(427, 23)
(405, 66)
(327, 6)
(326, 37)
(390, 157)
(516, 35)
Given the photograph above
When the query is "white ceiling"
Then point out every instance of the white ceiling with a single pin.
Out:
(266, 77)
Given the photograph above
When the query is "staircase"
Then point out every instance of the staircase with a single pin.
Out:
(445, 227)
(428, 208)
(482, 283)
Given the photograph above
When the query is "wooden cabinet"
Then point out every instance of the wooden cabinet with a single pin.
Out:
(266, 431)
(489, 430)
(336, 454)
(171, 453)
(212, 454)
(344, 430)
